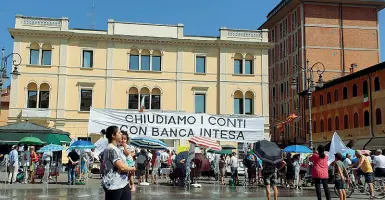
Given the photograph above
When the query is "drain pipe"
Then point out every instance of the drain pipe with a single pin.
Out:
(371, 110)
(342, 42)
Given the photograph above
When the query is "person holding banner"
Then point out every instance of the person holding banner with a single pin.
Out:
(115, 175)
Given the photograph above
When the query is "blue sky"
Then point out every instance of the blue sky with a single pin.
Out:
(200, 17)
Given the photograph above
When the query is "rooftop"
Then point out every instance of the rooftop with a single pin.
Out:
(380, 4)
(143, 30)
(358, 74)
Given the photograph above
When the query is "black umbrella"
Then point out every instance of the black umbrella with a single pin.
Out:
(228, 147)
(268, 151)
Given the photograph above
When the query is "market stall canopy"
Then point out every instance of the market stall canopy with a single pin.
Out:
(13, 133)
(376, 143)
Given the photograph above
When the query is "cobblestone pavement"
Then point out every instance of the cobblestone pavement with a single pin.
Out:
(93, 190)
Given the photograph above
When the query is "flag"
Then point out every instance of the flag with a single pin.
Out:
(291, 117)
(141, 109)
(337, 145)
(280, 127)
(366, 100)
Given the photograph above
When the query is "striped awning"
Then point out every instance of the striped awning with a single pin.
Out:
(206, 143)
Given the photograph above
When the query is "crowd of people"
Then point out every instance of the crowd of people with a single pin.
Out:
(342, 171)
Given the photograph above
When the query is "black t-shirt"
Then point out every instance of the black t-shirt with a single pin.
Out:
(74, 157)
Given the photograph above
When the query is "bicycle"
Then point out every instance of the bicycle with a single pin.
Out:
(378, 186)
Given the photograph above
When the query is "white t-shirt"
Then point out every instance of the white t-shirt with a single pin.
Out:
(25, 158)
(234, 162)
(164, 157)
(379, 161)
(347, 163)
(47, 156)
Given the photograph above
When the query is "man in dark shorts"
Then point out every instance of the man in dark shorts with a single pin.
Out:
(340, 175)
(269, 173)
(73, 160)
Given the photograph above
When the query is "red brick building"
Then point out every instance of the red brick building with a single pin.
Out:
(340, 106)
(336, 33)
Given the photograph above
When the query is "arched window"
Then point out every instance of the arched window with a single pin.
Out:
(44, 95)
(329, 98)
(145, 93)
(238, 103)
(249, 64)
(346, 122)
(156, 61)
(322, 126)
(321, 100)
(366, 118)
(345, 93)
(155, 99)
(365, 88)
(249, 99)
(46, 54)
(337, 122)
(377, 84)
(330, 127)
(133, 98)
(314, 126)
(335, 95)
(238, 64)
(356, 124)
(354, 90)
(378, 116)
(32, 95)
(134, 60)
(34, 54)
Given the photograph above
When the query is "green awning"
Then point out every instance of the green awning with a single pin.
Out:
(14, 138)
(13, 133)
(58, 139)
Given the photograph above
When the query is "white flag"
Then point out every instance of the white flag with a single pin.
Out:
(337, 145)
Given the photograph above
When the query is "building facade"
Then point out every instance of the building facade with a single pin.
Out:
(4, 111)
(336, 33)
(65, 71)
(352, 106)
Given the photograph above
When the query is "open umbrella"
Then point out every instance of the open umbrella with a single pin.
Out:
(222, 152)
(148, 143)
(228, 147)
(205, 142)
(51, 148)
(268, 152)
(82, 144)
(297, 149)
(31, 141)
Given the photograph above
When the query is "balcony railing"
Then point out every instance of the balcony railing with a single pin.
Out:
(34, 21)
(35, 113)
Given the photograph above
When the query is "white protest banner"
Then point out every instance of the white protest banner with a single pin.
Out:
(179, 125)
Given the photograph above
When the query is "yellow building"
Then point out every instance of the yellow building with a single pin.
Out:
(65, 71)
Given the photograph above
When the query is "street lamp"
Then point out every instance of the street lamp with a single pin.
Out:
(3, 68)
(318, 68)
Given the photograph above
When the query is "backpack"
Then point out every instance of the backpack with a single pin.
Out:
(269, 169)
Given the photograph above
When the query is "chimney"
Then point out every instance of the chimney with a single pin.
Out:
(352, 66)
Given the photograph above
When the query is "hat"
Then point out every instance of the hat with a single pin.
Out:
(14, 146)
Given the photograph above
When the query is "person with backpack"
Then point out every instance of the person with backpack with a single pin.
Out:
(269, 174)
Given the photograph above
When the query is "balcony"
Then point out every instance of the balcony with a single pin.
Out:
(244, 35)
(41, 23)
(35, 113)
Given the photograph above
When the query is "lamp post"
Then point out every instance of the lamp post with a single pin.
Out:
(318, 68)
(3, 68)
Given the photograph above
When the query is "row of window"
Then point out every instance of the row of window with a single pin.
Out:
(152, 100)
(143, 60)
(346, 122)
(365, 90)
